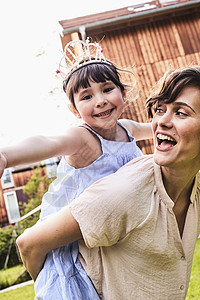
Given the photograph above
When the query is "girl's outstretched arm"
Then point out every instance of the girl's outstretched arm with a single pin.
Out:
(38, 148)
(54, 232)
(140, 131)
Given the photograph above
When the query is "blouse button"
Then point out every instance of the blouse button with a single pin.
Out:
(182, 287)
(182, 257)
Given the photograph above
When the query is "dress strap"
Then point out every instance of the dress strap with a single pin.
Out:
(108, 146)
(131, 138)
(95, 133)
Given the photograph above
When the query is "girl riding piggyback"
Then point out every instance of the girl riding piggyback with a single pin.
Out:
(96, 148)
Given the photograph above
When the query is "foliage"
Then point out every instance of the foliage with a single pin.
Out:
(35, 189)
(5, 240)
(9, 276)
(22, 293)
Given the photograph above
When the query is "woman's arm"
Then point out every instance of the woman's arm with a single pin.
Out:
(38, 148)
(140, 131)
(54, 232)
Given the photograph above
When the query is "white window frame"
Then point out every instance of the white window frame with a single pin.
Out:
(7, 174)
(12, 207)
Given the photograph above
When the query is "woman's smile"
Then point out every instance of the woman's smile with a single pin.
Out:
(165, 142)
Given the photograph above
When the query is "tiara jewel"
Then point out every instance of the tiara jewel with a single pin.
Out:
(78, 54)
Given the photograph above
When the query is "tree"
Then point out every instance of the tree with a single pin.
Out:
(35, 188)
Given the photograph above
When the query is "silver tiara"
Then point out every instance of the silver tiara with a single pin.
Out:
(78, 54)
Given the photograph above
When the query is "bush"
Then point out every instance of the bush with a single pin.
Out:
(35, 188)
(5, 240)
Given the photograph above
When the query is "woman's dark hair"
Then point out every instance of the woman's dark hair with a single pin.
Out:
(97, 72)
(172, 84)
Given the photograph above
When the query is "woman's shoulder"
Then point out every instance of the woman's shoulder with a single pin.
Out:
(136, 174)
(141, 163)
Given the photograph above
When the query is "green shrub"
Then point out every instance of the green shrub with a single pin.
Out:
(5, 239)
(35, 188)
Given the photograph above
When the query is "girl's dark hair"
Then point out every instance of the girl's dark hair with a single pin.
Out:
(172, 84)
(97, 72)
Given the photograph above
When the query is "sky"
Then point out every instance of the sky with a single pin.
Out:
(31, 98)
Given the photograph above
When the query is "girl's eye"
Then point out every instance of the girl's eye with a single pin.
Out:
(86, 97)
(108, 89)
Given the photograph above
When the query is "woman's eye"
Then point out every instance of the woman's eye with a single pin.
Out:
(180, 113)
(158, 110)
(86, 97)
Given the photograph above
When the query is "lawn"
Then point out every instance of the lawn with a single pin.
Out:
(27, 292)
(194, 286)
(8, 276)
(23, 293)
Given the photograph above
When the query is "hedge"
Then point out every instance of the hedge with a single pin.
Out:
(5, 239)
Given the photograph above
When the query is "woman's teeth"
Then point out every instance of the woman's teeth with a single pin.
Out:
(165, 139)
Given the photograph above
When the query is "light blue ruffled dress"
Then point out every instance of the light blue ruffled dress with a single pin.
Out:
(63, 277)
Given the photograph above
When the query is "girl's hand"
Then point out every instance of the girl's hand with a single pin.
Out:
(3, 163)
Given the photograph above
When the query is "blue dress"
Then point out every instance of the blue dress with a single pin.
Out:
(63, 277)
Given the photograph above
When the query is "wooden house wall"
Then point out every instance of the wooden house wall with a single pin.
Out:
(151, 47)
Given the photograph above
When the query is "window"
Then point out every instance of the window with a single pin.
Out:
(12, 206)
(7, 179)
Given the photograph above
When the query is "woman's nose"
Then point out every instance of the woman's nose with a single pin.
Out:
(165, 120)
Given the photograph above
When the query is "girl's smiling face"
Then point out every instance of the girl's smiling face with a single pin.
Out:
(99, 105)
(176, 128)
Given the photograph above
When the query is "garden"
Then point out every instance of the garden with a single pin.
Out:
(12, 271)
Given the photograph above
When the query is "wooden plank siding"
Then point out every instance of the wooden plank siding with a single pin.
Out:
(151, 48)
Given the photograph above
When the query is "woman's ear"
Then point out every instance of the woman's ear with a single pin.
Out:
(74, 111)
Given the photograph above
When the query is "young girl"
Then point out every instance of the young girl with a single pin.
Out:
(97, 148)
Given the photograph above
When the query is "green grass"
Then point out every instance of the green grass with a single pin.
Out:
(23, 293)
(194, 286)
(8, 276)
(27, 292)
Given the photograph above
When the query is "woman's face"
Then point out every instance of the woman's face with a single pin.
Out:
(176, 128)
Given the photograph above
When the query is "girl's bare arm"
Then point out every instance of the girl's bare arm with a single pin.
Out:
(140, 131)
(38, 148)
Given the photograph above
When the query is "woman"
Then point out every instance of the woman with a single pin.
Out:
(137, 228)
